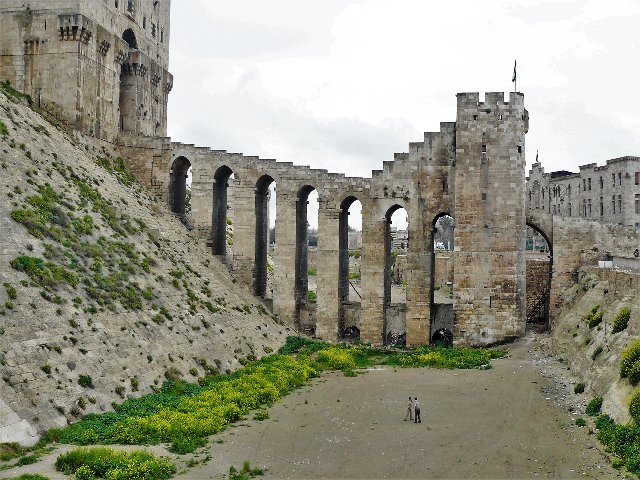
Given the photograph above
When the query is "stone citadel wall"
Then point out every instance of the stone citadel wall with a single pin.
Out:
(97, 66)
(472, 169)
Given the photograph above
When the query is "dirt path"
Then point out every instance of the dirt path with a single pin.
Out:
(501, 423)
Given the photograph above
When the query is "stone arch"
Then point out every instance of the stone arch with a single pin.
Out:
(178, 184)
(343, 261)
(262, 234)
(442, 318)
(130, 37)
(538, 282)
(219, 210)
(388, 259)
(302, 249)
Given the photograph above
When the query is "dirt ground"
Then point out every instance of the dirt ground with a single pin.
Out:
(512, 421)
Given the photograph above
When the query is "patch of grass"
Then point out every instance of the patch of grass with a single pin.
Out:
(581, 422)
(47, 275)
(29, 476)
(3, 129)
(311, 295)
(312, 272)
(114, 465)
(245, 473)
(27, 460)
(261, 415)
(85, 381)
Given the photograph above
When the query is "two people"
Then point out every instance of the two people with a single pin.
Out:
(413, 410)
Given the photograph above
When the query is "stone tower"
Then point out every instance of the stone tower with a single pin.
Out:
(489, 265)
(115, 54)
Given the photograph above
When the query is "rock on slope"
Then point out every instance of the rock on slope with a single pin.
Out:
(103, 293)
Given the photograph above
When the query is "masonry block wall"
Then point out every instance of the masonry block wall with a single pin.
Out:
(472, 170)
(489, 281)
(98, 66)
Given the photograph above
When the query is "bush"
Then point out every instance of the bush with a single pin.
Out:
(186, 444)
(311, 295)
(27, 460)
(114, 465)
(628, 358)
(261, 415)
(581, 422)
(336, 359)
(593, 320)
(634, 406)
(621, 320)
(594, 406)
(85, 381)
(579, 388)
(596, 352)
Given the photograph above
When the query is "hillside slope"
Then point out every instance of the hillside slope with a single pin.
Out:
(103, 293)
(593, 354)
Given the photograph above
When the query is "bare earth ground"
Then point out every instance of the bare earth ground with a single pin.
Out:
(508, 422)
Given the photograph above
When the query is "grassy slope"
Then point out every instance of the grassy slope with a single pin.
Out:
(122, 295)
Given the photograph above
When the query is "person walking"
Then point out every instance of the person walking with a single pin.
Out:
(416, 407)
(409, 410)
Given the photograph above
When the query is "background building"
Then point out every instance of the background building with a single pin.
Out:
(610, 193)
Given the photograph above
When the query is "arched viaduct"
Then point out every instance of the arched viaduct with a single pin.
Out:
(472, 170)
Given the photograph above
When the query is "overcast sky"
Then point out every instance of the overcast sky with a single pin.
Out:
(342, 85)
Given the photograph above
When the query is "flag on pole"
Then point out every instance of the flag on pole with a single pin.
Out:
(513, 78)
(536, 156)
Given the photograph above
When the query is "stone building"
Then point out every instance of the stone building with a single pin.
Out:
(97, 66)
(608, 193)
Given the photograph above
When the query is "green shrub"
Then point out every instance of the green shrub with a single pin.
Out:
(594, 406)
(629, 357)
(621, 320)
(634, 374)
(581, 422)
(354, 276)
(246, 473)
(311, 295)
(595, 319)
(634, 406)
(579, 388)
(3, 129)
(115, 465)
(27, 460)
(11, 291)
(261, 415)
(336, 359)
(186, 444)
(85, 381)
(312, 272)
(596, 352)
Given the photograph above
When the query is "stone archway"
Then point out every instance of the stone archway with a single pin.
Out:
(262, 234)
(539, 274)
(219, 210)
(178, 185)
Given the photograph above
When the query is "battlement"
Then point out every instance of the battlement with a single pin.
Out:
(493, 101)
